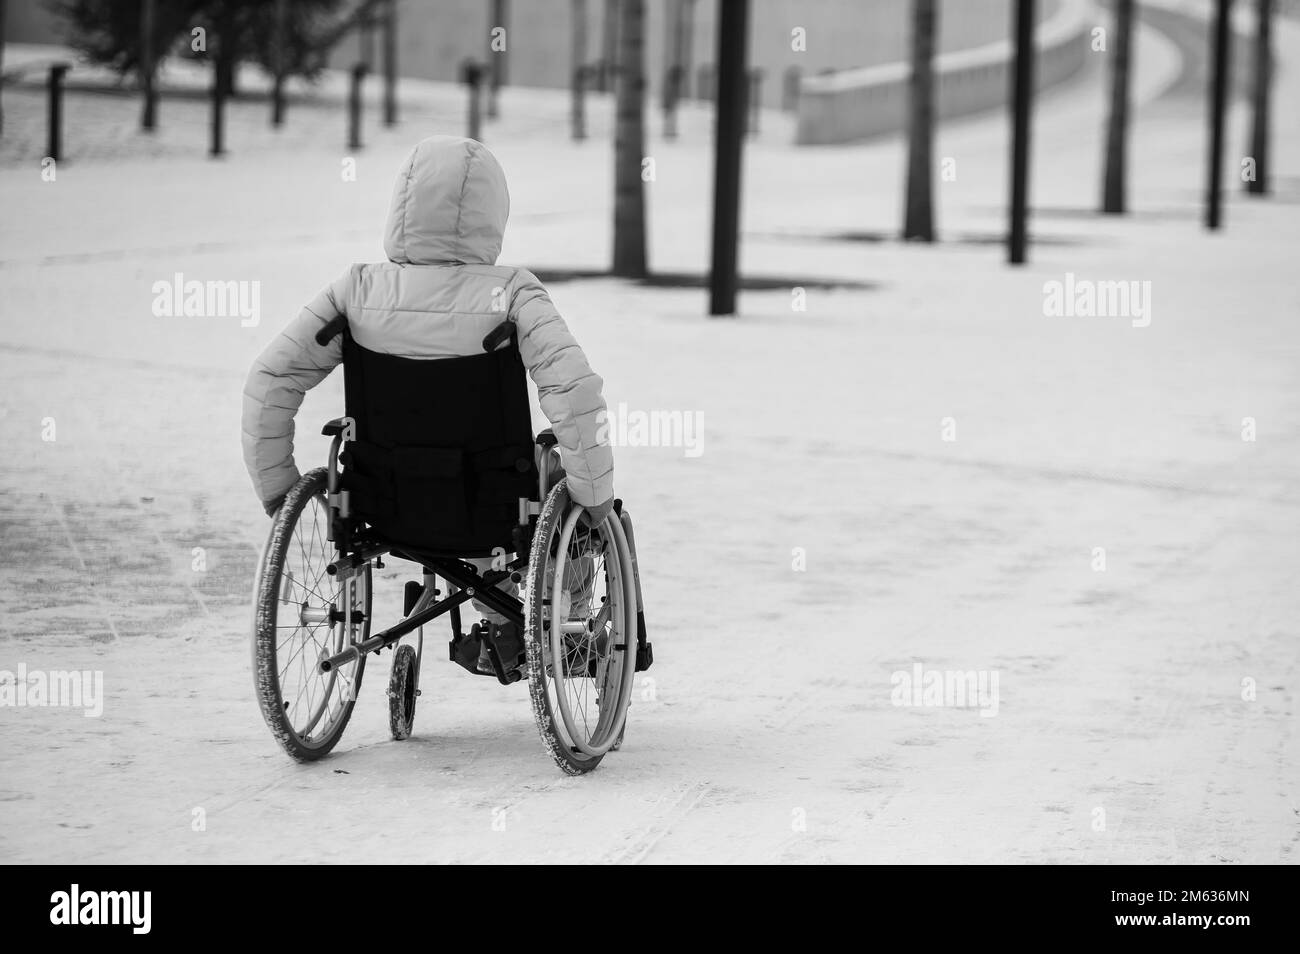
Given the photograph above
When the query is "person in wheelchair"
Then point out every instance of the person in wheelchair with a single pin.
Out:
(439, 294)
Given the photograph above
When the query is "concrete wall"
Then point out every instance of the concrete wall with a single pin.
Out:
(857, 104)
(436, 35)
(841, 34)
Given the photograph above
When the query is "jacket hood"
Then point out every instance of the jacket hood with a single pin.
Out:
(450, 204)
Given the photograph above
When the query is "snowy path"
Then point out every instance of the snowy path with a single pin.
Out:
(771, 700)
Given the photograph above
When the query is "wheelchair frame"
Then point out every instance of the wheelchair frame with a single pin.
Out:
(465, 578)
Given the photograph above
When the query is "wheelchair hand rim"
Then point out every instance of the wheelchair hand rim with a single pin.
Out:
(603, 737)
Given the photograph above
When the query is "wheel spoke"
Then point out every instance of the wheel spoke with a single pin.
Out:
(582, 679)
(313, 705)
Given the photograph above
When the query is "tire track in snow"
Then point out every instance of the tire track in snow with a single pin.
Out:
(639, 845)
(1013, 471)
(143, 364)
(76, 552)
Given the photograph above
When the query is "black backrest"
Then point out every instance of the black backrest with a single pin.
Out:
(443, 448)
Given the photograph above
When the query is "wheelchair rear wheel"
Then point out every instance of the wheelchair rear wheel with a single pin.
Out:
(303, 614)
(580, 633)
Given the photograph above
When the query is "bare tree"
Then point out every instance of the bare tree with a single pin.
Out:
(1114, 186)
(918, 217)
(629, 143)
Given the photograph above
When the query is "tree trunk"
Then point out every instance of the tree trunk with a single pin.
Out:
(1022, 122)
(728, 153)
(390, 63)
(686, 41)
(366, 41)
(672, 44)
(609, 46)
(225, 71)
(149, 113)
(629, 143)
(578, 77)
(1114, 187)
(496, 59)
(227, 49)
(668, 76)
(1220, 72)
(1259, 130)
(918, 219)
(2, 61)
(281, 44)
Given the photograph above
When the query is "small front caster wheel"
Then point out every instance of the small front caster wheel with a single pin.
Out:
(403, 689)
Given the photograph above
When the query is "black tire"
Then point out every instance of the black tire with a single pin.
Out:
(403, 690)
(542, 667)
(297, 545)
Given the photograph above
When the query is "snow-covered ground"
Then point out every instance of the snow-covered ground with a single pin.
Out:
(767, 730)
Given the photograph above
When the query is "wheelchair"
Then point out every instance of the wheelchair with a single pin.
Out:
(435, 463)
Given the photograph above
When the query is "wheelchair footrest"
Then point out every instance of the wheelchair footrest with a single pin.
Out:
(465, 649)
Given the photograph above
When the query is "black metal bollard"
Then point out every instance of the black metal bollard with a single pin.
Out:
(471, 74)
(277, 101)
(1022, 93)
(57, 72)
(354, 105)
(218, 146)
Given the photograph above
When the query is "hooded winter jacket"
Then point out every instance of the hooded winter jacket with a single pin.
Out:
(437, 296)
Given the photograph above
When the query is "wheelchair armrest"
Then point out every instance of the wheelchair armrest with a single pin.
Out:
(547, 438)
(331, 329)
(492, 340)
(336, 427)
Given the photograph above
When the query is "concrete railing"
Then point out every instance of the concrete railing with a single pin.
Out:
(857, 104)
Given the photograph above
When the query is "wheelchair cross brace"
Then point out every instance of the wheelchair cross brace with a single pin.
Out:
(470, 585)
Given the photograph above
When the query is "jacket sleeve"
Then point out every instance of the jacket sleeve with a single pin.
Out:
(291, 365)
(569, 391)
